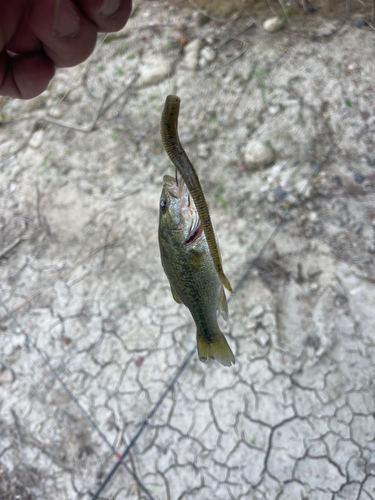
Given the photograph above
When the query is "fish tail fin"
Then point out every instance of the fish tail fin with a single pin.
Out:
(217, 349)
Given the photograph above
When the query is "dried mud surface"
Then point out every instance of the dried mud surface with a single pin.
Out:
(294, 417)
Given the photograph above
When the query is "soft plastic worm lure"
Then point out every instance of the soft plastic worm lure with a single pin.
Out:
(172, 145)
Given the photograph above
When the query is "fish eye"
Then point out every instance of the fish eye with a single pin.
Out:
(163, 205)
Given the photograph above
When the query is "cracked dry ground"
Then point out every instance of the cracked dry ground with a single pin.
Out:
(294, 417)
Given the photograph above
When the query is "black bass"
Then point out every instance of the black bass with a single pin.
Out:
(192, 275)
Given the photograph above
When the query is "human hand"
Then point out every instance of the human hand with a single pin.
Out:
(37, 36)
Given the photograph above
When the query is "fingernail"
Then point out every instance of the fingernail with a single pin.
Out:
(66, 19)
(109, 7)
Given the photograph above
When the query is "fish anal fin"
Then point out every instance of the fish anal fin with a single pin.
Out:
(217, 349)
(176, 297)
(224, 280)
(222, 305)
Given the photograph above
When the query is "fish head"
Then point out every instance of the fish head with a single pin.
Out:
(178, 213)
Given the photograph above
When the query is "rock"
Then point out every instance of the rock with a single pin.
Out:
(273, 24)
(303, 188)
(203, 151)
(153, 71)
(202, 62)
(190, 60)
(56, 112)
(274, 109)
(279, 193)
(256, 312)
(208, 53)
(262, 338)
(358, 20)
(291, 200)
(358, 178)
(257, 155)
(37, 139)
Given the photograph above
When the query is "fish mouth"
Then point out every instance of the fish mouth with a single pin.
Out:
(195, 231)
(173, 189)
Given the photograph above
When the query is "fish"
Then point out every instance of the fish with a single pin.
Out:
(186, 260)
(176, 153)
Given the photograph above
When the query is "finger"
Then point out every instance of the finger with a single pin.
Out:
(24, 76)
(108, 15)
(68, 37)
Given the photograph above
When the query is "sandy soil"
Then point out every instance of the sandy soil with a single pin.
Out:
(81, 171)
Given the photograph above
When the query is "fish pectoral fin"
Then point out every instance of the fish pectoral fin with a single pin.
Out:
(222, 305)
(217, 349)
(176, 297)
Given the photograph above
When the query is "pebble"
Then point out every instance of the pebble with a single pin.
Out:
(208, 53)
(279, 193)
(262, 338)
(313, 216)
(37, 139)
(257, 155)
(302, 187)
(269, 321)
(358, 178)
(192, 49)
(291, 200)
(203, 151)
(202, 62)
(274, 109)
(56, 112)
(153, 71)
(257, 311)
(273, 24)
(358, 20)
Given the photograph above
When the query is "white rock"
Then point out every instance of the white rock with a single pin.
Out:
(56, 112)
(257, 311)
(257, 155)
(274, 109)
(153, 71)
(262, 338)
(203, 151)
(313, 216)
(202, 62)
(303, 187)
(192, 54)
(209, 54)
(273, 24)
(37, 139)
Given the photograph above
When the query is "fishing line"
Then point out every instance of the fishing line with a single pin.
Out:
(57, 377)
(145, 422)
